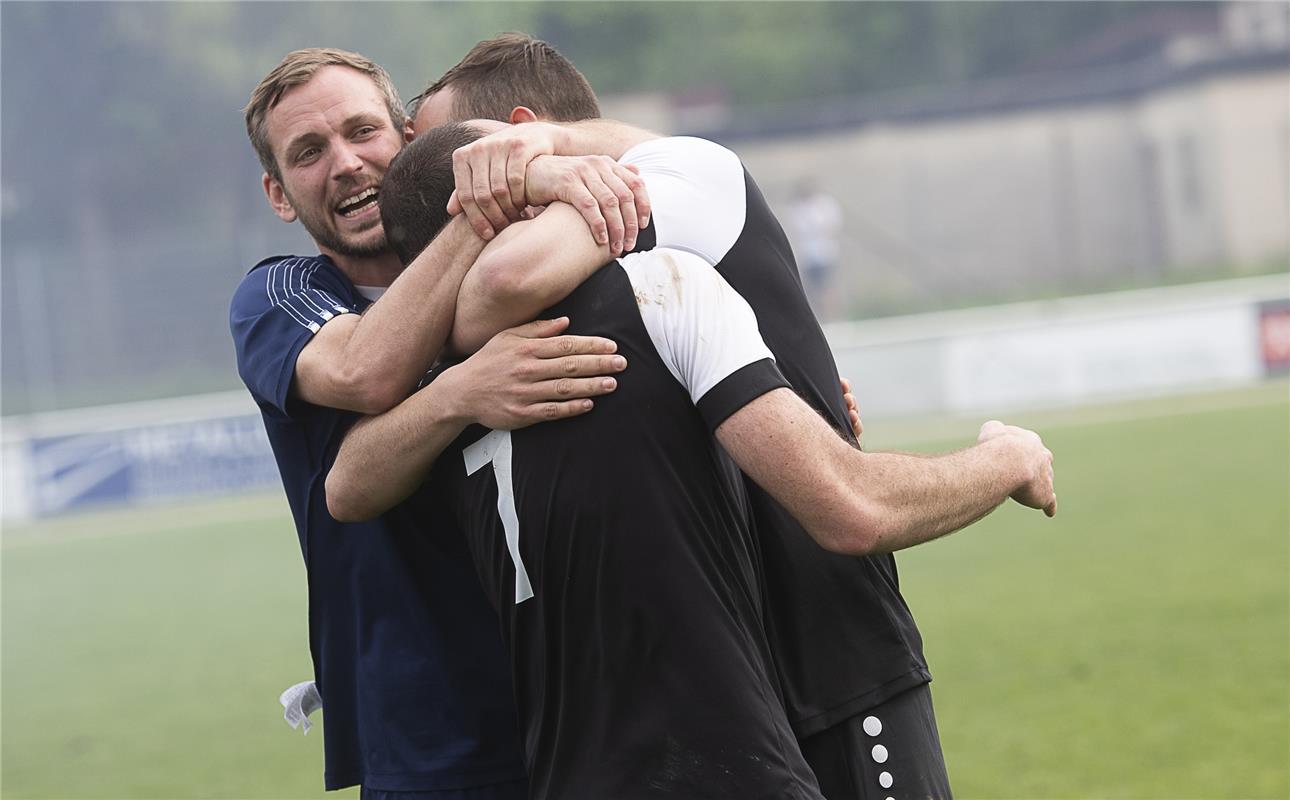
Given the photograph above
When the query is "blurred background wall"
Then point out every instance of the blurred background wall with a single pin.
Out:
(979, 152)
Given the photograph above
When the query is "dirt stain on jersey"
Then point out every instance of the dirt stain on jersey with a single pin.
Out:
(659, 293)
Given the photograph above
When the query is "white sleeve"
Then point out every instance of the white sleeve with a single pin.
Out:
(702, 328)
(697, 194)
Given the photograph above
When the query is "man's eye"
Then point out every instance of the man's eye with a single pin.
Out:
(366, 130)
(306, 154)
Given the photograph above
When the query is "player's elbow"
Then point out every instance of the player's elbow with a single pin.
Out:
(860, 532)
(344, 503)
(502, 278)
(370, 391)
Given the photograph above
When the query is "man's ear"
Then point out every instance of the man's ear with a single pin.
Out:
(278, 199)
(522, 114)
(408, 133)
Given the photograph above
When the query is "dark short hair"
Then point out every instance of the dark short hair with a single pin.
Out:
(514, 69)
(416, 187)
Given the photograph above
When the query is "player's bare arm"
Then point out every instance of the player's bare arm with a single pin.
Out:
(531, 265)
(491, 183)
(522, 376)
(859, 503)
(369, 363)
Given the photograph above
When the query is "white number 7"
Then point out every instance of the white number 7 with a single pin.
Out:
(495, 448)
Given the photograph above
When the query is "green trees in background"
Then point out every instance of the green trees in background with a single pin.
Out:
(142, 100)
(131, 201)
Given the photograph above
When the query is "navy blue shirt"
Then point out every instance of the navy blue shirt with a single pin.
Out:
(407, 654)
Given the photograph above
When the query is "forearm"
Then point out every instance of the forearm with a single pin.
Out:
(856, 502)
(385, 458)
(380, 357)
(923, 498)
(402, 335)
(529, 267)
(598, 137)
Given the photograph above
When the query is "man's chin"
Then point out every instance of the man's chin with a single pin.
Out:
(366, 245)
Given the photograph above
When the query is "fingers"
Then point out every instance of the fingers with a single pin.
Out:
(489, 178)
(625, 202)
(546, 412)
(640, 197)
(634, 201)
(991, 429)
(856, 426)
(539, 328)
(537, 370)
(563, 389)
(481, 187)
(1051, 508)
(562, 398)
(463, 176)
(853, 410)
(500, 189)
(569, 345)
(575, 192)
(608, 206)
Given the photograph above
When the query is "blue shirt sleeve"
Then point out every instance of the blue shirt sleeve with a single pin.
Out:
(276, 310)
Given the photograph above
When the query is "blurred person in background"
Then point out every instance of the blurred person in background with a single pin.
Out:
(815, 224)
(407, 657)
(847, 650)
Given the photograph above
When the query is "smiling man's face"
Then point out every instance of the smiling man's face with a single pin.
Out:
(333, 139)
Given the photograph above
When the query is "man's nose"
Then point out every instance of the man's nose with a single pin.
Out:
(347, 160)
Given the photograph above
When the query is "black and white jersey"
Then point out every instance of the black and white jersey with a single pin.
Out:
(616, 548)
(843, 637)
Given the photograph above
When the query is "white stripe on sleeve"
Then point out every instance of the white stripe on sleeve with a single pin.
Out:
(289, 286)
(701, 327)
(697, 194)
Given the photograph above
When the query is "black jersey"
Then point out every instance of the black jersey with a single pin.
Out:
(843, 637)
(617, 550)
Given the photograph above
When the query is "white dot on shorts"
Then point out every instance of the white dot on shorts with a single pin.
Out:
(884, 780)
(879, 754)
(872, 726)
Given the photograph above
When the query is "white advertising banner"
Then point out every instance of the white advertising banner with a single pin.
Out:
(1076, 359)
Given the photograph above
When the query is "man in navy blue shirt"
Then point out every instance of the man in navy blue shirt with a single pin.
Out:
(406, 653)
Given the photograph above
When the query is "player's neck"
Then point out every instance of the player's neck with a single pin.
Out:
(377, 270)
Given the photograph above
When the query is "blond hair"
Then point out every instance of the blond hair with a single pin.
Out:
(297, 68)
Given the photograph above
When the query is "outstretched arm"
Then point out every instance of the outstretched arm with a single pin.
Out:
(849, 501)
(525, 375)
(859, 503)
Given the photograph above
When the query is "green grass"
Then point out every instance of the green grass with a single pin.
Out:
(1136, 646)
(143, 655)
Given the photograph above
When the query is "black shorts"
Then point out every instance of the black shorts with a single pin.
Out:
(889, 751)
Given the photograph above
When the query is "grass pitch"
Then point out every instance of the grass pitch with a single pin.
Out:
(1136, 646)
